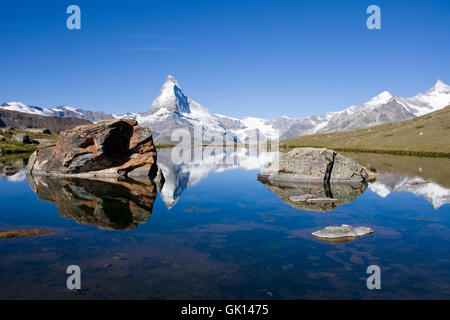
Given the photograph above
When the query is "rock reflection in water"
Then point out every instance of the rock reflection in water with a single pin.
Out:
(323, 197)
(108, 203)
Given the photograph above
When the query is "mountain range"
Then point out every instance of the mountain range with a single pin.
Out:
(172, 109)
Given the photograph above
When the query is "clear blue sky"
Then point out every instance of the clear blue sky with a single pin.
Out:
(260, 58)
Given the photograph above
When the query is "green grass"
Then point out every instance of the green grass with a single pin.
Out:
(9, 146)
(394, 152)
(163, 145)
(16, 147)
(397, 138)
(14, 156)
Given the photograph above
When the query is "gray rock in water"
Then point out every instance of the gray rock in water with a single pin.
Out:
(22, 138)
(314, 165)
(342, 232)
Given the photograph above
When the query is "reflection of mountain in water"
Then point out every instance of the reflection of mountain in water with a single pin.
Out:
(204, 161)
(12, 169)
(427, 177)
(108, 204)
(391, 182)
(323, 197)
(396, 173)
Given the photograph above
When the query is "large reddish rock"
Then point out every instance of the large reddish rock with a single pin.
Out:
(108, 148)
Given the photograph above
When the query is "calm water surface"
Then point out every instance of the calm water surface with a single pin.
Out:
(213, 231)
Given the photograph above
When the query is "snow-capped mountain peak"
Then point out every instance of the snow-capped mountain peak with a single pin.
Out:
(382, 98)
(439, 87)
(171, 98)
(172, 110)
(170, 81)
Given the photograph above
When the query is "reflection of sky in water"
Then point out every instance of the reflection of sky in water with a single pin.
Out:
(228, 236)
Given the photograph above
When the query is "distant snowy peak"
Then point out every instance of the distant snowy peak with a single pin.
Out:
(380, 99)
(22, 107)
(63, 111)
(380, 109)
(436, 98)
(439, 87)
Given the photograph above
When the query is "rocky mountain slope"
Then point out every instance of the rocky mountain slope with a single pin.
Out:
(29, 120)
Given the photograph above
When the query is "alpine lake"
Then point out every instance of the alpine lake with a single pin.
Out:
(213, 231)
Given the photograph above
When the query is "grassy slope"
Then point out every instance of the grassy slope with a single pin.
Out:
(428, 135)
(9, 146)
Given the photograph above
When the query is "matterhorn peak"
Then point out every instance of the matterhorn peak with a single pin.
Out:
(170, 80)
(170, 98)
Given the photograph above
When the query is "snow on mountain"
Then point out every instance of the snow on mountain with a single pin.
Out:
(380, 109)
(22, 107)
(376, 101)
(61, 111)
(437, 97)
(172, 109)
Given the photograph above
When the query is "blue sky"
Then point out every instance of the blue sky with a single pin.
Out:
(260, 58)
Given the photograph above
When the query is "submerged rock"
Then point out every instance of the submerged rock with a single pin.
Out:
(109, 148)
(315, 165)
(344, 232)
(20, 233)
